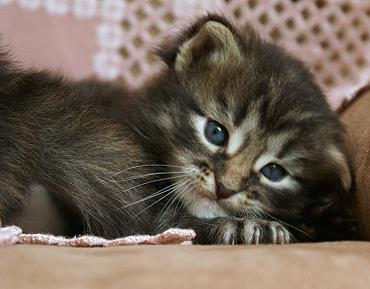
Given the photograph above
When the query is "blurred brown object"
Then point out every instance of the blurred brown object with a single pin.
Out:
(356, 118)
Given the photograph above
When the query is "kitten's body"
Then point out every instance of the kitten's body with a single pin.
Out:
(58, 135)
(120, 164)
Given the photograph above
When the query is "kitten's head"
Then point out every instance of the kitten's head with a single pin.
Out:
(246, 123)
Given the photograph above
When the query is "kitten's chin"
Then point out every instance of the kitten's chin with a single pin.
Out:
(206, 208)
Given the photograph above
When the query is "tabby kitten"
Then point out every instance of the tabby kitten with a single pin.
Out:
(233, 139)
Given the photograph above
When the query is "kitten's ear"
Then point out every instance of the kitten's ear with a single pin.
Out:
(212, 41)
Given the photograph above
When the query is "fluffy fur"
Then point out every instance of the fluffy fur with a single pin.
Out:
(118, 162)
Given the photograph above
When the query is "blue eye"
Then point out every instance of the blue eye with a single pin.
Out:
(215, 133)
(273, 172)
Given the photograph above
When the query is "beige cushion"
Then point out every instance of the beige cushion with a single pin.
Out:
(357, 121)
(324, 265)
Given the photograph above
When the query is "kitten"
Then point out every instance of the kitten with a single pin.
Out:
(233, 139)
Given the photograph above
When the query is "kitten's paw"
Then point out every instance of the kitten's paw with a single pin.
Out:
(246, 231)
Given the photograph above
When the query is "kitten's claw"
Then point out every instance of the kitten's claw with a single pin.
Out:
(251, 232)
(245, 231)
(257, 235)
(256, 232)
(278, 234)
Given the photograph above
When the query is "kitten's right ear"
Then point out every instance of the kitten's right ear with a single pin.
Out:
(210, 41)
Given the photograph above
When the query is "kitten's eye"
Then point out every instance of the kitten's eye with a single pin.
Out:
(273, 172)
(216, 133)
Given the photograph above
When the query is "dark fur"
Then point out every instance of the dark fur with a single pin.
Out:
(81, 140)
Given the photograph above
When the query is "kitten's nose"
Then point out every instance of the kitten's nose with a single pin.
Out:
(222, 192)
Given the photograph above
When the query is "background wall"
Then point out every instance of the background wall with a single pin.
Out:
(112, 39)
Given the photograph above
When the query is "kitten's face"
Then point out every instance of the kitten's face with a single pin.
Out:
(248, 126)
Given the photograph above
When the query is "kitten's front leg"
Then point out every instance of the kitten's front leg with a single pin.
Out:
(232, 230)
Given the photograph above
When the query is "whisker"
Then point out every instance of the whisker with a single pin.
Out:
(157, 193)
(166, 195)
(154, 174)
(152, 181)
(289, 225)
(254, 213)
(161, 218)
(181, 197)
(148, 207)
(171, 200)
(148, 165)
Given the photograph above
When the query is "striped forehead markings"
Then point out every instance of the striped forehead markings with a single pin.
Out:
(239, 134)
(236, 140)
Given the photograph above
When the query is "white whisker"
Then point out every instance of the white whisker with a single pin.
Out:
(166, 195)
(289, 225)
(155, 174)
(148, 165)
(148, 207)
(175, 196)
(157, 193)
(152, 181)
(191, 186)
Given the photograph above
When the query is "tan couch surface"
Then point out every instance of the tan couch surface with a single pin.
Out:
(299, 266)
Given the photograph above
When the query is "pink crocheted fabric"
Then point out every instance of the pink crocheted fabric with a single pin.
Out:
(13, 235)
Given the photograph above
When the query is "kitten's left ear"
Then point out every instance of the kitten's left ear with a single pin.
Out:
(211, 41)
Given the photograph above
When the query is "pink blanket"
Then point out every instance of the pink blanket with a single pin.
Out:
(13, 235)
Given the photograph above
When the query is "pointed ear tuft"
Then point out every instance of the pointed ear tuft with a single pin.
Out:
(214, 44)
(212, 40)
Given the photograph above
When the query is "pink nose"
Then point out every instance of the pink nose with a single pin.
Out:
(222, 192)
